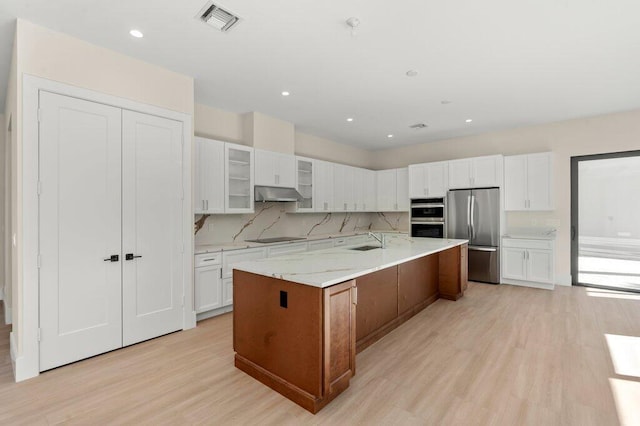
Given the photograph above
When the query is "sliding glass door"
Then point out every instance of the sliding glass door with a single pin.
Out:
(605, 220)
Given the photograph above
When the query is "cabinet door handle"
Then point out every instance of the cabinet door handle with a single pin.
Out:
(203, 206)
(112, 258)
(131, 256)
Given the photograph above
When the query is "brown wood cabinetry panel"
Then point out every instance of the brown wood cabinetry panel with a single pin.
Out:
(453, 272)
(377, 300)
(286, 342)
(417, 282)
(339, 332)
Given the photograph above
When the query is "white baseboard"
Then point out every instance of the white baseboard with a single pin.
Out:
(564, 280)
(214, 313)
(529, 284)
(8, 317)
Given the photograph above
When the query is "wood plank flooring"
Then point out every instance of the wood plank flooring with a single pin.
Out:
(501, 355)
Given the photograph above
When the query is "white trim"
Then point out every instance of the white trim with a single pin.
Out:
(543, 286)
(27, 360)
(564, 280)
(8, 317)
(1, 293)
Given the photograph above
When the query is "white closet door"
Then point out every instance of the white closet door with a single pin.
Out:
(80, 293)
(151, 226)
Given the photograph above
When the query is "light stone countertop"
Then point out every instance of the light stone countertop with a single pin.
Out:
(531, 233)
(324, 268)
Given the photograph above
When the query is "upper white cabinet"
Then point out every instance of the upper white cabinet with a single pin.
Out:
(275, 169)
(428, 179)
(305, 184)
(209, 176)
(402, 189)
(238, 182)
(343, 183)
(323, 182)
(393, 190)
(370, 192)
(527, 183)
(476, 172)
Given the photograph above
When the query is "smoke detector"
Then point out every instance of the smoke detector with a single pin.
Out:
(218, 17)
(418, 126)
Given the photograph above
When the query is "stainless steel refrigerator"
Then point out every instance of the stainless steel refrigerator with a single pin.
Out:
(474, 215)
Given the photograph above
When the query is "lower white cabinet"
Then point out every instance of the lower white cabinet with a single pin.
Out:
(320, 244)
(208, 282)
(230, 258)
(528, 262)
(286, 249)
(227, 292)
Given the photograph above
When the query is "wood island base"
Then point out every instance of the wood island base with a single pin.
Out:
(301, 340)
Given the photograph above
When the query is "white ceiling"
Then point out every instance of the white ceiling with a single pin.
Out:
(503, 63)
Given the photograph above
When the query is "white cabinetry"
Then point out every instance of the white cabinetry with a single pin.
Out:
(208, 176)
(428, 179)
(392, 187)
(323, 182)
(320, 244)
(528, 262)
(305, 184)
(208, 282)
(274, 169)
(343, 179)
(402, 189)
(478, 172)
(369, 191)
(527, 183)
(230, 258)
(238, 183)
(290, 248)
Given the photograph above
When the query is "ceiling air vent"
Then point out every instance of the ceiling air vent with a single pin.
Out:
(217, 17)
(419, 126)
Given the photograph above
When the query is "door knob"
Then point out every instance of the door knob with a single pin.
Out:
(112, 258)
(130, 256)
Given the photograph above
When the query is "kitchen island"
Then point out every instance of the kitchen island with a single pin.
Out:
(299, 320)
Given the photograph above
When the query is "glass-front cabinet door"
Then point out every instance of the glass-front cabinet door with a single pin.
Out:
(304, 183)
(238, 178)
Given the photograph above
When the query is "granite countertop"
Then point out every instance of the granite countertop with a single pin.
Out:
(531, 233)
(324, 268)
(212, 248)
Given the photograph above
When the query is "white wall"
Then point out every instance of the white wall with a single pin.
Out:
(595, 135)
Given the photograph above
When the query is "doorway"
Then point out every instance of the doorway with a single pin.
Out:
(605, 230)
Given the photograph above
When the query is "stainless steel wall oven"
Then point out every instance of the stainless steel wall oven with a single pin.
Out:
(428, 217)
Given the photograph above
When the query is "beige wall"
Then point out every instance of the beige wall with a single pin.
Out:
(218, 124)
(62, 58)
(273, 135)
(601, 134)
(269, 133)
(324, 149)
(55, 56)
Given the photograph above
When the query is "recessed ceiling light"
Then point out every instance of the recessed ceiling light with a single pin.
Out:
(412, 73)
(136, 33)
(285, 93)
(389, 136)
(468, 120)
(349, 119)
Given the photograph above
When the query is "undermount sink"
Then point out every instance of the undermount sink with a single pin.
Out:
(365, 248)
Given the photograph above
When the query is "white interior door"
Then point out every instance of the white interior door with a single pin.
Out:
(151, 226)
(79, 215)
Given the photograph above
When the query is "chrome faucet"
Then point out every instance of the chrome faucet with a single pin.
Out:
(381, 239)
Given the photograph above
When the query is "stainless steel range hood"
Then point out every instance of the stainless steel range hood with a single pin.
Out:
(275, 193)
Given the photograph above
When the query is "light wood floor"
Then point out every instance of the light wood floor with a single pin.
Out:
(500, 355)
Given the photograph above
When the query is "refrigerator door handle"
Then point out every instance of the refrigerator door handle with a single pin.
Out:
(471, 212)
(469, 216)
(478, 248)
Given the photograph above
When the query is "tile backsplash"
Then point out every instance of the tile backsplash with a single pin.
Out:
(272, 220)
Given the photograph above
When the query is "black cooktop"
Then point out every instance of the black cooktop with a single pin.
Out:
(275, 240)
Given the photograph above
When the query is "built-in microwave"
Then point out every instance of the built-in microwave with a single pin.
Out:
(428, 217)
